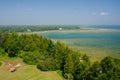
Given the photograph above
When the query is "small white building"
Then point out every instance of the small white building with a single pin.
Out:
(60, 28)
(28, 30)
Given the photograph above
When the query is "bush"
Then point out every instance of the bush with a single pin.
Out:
(0, 63)
(47, 64)
(30, 57)
(2, 52)
(68, 76)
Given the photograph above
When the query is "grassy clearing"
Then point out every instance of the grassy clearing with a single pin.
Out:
(26, 72)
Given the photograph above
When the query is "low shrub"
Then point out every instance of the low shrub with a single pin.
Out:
(0, 63)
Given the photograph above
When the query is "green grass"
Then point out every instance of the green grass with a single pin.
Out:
(27, 72)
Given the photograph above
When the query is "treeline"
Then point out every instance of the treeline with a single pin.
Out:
(50, 56)
(31, 28)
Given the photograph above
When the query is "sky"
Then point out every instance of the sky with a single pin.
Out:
(59, 12)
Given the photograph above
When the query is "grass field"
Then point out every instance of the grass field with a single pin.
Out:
(26, 72)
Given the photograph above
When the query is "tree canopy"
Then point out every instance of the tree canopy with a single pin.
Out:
(49, 56)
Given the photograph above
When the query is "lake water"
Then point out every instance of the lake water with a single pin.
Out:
(97, 44)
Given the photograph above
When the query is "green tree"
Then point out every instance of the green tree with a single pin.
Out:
(13, 45)
(4, 40)
(60, 54)
(110, 68)
(68, 67)
(51, 49)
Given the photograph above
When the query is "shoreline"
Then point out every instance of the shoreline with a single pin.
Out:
(93, 52)
(78, 30)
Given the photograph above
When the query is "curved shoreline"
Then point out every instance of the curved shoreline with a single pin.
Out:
(78, 30)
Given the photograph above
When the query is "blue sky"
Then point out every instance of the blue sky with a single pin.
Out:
(59, 12)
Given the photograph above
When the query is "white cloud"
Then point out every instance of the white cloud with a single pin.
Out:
(103, 13)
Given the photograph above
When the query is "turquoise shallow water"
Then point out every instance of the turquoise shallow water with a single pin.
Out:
(106, 39)
(92, 43)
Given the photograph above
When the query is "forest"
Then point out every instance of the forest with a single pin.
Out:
(31, 28)
(51, 56)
